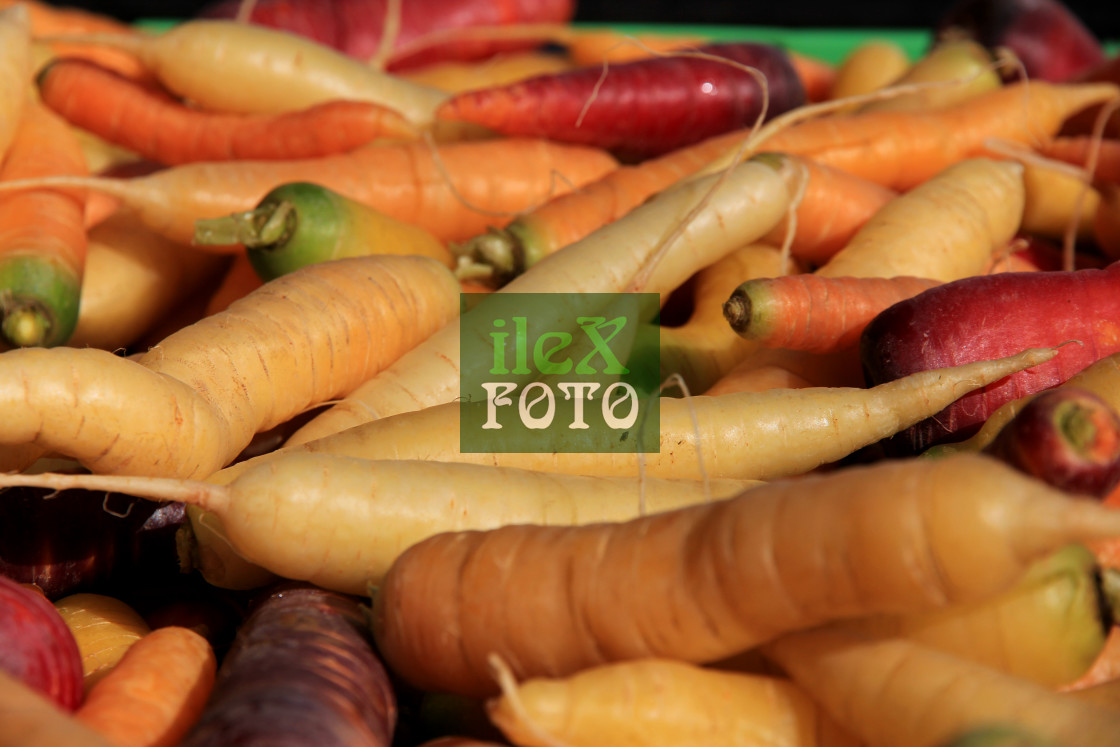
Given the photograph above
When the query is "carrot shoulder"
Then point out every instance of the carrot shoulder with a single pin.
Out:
(42, 234)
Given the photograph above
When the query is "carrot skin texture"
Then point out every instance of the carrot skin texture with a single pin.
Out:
(811, 550)
(643, 108)
(160, 128)
(952, 323)
(934, 695)
(301, 670)
(155, 693)
(216, 382)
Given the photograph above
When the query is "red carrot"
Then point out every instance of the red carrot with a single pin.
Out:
(976, 318)
(357, 27)
(1078, 149)
(641, 108)
(158, 126)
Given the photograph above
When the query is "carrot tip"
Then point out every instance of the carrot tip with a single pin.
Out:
(737, 312)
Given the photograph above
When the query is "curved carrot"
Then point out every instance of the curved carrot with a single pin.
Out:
(154, 694)
(33, 720)
(191, 403)
(814, 313)
(642, 108)
(161, 128)
(495, 71)
(48, 19)
(857, 541)
(454, 190)
(42, 234)
(301, 223)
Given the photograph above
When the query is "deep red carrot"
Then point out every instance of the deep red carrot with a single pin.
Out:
(641, 108)
(978, 317)
(158, 126)
(42, 234)
(302, 670)
(814, 313)
(357, 27)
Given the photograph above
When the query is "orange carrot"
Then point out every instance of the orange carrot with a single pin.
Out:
(596, 46)
(159, 127)
(155, 693)
(454, 190)
(1078, 149)
(861, 540)
(817, 76)
(30, 719)
(815, 313)
(239, 280)
(48, 19)
(42, 234)
(898, 150)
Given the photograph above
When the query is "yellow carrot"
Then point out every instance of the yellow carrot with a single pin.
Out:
(105, 628)
(661, 703)
(15, 70)
(894, 691)
(190, 404)
(29, 719)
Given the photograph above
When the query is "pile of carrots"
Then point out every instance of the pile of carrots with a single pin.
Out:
(234, 264)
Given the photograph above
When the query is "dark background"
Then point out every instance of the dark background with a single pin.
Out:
(1101, 16)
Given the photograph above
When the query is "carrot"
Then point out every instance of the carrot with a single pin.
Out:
(1051, 626)
(371, 511)
(15, 70)
(30, 719)
(1055, 199)
(300, 223)
(624, 108)
(933, 695)
(105, 627)
(660, 702)
(702, 349)
(811, 550)
(300, 670)
(223, 65)
(48, 19)
(924, 331)
(728, 436)
(358, 27)
(453, 190)
(748, 377)
(1077, 150)
(160, 128)
(42, 235)
(815, 313)
(966, 63)
(719, 213)
(155, 693)
(869, 66)
(598, 45)
(933, 141)
(132, 278)
(817, 75)
(190, 404)
(508, 67)
(944, 229)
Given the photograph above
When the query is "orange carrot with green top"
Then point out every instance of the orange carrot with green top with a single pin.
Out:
(42, 234)
(815, 313)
